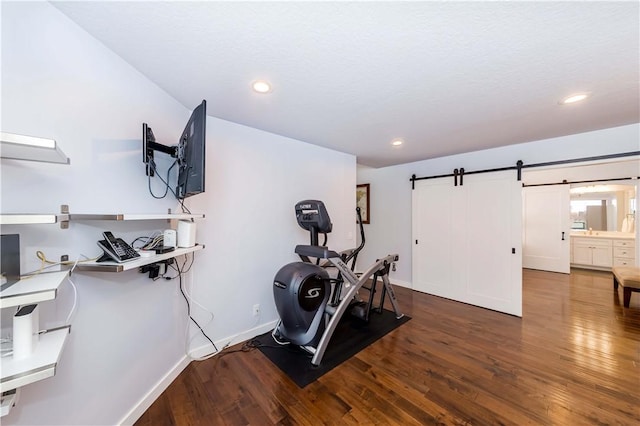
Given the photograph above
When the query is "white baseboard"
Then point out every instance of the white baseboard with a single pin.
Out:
(205, 350)
(143, 405)
(400, 283)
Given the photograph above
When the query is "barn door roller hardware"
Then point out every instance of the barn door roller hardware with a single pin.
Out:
(518, 167)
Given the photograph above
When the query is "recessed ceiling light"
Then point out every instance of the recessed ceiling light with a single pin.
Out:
(261, 86)
(574, 98)
(396, 142)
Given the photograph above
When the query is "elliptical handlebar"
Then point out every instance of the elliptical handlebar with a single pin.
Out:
(354, 253)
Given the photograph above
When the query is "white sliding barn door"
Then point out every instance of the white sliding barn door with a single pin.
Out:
(432, 228)
(546, 242)
(464, 239)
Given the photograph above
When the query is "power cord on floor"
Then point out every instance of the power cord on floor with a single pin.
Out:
(254, 343)
(247, 346)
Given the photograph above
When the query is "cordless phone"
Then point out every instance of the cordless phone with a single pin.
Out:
(116, 249)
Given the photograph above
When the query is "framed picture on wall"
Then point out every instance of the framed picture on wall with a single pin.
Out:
(362, 201)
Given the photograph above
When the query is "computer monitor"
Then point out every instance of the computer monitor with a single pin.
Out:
(189, 153)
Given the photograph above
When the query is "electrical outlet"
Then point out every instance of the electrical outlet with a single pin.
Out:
(393, 266)
(256, 309)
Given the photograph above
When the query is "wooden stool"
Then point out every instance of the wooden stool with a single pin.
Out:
(629, 278)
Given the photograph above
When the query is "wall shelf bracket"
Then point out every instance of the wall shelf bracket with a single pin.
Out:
(64, 216)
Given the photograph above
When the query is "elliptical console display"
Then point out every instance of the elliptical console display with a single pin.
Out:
(312, 215)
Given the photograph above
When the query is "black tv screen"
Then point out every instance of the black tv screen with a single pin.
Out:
(191, 154)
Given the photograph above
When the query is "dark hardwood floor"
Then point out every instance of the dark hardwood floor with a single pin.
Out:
(572, 359)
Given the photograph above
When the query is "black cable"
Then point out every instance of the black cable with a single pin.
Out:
(186, 257)
(177, 269)
(184, 208)
(181, 200)
(252, 344)
(167, 187)
(145, 239)
(140, 238)
(171, 278)
(248, 346)
(186, 299)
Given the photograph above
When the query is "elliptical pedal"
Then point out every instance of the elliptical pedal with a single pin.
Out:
(359, 310)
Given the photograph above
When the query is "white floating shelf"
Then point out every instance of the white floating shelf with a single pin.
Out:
(21, 147)
(40, 365)
(34, 289)
(124, 216)
(31, 218)
(135, 264)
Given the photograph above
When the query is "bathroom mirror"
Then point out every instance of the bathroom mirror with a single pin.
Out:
(603, 207)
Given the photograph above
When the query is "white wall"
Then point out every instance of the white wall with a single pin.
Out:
(128, 333)
(254, 181)
(390, 228)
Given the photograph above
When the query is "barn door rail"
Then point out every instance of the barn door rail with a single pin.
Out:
(566, 182)
(459, 173)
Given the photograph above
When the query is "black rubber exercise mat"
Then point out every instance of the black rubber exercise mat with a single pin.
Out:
(351, 336)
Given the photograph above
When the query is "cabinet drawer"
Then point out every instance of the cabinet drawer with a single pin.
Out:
(592, 242)
(627, 253)
(624, 243)
(623, 262)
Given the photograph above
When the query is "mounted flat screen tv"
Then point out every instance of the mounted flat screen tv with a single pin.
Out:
(190, 153)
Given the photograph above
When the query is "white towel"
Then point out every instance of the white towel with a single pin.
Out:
(625, 225)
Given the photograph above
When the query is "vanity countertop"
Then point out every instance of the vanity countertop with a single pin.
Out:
(603, 234)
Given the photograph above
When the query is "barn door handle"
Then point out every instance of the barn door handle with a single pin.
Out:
(563, 236)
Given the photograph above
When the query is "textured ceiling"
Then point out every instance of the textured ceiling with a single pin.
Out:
(447, 77)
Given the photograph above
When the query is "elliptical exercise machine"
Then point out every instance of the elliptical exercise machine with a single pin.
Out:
(309, 306)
